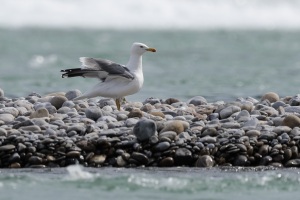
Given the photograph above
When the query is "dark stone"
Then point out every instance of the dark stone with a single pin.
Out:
(141, 158)
(167, 162)
(35, 160)
(183, 156)
(265, 160)
(58, 101)
(293, 163)
(144, 129)
(171, 101)
(205, 161)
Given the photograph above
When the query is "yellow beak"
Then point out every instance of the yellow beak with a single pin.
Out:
(151, 49)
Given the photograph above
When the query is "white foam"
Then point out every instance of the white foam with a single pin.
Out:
(147, 181)
(76, 172)
(149, 14)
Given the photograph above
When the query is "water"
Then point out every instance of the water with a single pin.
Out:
(219, 49)
(144, 183)
(217, 64)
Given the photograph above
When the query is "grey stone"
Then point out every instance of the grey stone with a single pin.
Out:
(39, 122)
(121, 117)
(208, 139)
(32, 128)
(73, 94)
(230, 125)
(210, 132)
(69, 104)
(185, 135)
(7, 147)
(292, 109)
(130, 122)
(151, 101)
(64, 110)
(252, 133)
(93, 113)
(106, 102)
(243, 116)
(251, 123)
(197, 100)
(107, 119)
(3, 132)
(162, 146)
(228, 111)
(144, 129)
(277, 104)
(77, 127)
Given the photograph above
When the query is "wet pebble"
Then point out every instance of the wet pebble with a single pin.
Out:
(205, 161)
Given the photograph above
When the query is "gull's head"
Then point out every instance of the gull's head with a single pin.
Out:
(140, 48)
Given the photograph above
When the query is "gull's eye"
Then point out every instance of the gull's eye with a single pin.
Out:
(141, 46)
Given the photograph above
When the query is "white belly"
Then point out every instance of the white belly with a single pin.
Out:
(115, 88)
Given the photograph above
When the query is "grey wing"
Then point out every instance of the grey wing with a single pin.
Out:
(98, 68)
(104, 68)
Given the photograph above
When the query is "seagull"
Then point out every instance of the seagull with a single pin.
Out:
(116, 80)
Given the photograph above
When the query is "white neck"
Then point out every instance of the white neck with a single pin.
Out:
(135, 63)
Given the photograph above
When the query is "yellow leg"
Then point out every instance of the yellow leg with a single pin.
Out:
(118, 104)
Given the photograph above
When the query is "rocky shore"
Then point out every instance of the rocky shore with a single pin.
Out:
(54, 131)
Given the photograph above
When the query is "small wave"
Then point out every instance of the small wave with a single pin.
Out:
(76, 172)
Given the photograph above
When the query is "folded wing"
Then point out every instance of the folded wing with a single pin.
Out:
(98, 68)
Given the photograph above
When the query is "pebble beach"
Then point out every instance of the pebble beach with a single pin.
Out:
(54, 131)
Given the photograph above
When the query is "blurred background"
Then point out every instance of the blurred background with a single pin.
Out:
(219, 49)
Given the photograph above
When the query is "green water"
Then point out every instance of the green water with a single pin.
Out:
(150, 183)
(216, 64)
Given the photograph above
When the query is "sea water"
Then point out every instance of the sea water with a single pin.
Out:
(219, 49)
(75, 182)
(216, 64)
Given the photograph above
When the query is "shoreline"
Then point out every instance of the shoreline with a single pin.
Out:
(54, 131)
